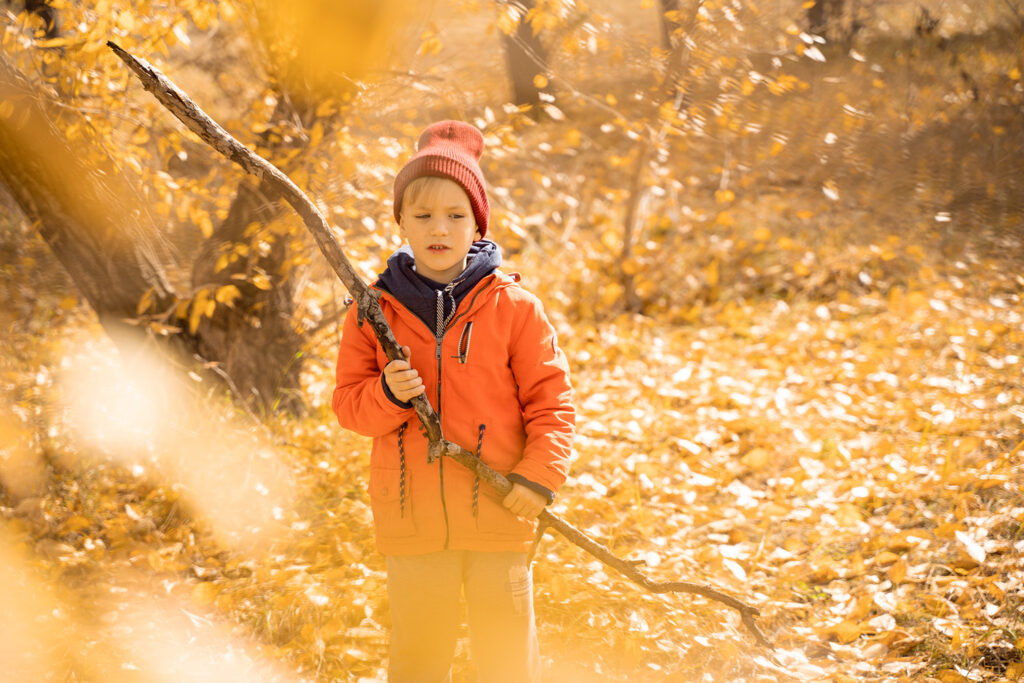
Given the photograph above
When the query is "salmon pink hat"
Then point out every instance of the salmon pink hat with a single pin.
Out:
(449, 149)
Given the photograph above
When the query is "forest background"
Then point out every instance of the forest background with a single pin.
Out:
(781, 242)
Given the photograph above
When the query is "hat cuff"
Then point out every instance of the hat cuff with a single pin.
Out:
(445, 167)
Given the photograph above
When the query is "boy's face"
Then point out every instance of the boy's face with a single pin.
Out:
(438, 223)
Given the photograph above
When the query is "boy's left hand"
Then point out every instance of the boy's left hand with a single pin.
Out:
(524, 501)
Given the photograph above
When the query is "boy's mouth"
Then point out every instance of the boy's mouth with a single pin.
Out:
(437, 247)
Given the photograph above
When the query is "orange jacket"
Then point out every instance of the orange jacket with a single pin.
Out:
(503, 393)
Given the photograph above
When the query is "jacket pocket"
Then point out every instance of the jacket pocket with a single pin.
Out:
(391, 503)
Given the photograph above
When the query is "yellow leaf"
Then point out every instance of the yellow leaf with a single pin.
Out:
(540, 81)
(205, 224)
(227, 295)
(950, 676)
(801, 269)
(75, 523)
(725, 219)
(145, 302)
(326, 108)
(6, 109)
(1014, 74)
(68, 303)
(140, 136)
(756, 458)
(317, 134)
(809, 4)
(198, 308)
(126, 21)
(848, 515)
(711, 273)
(261, 281)
(724, 196)
(885, 557)
(898, 571)
(762, 234)
(52, 42)
(204, 593)
(846, 631)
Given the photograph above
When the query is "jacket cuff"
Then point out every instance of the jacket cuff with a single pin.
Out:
(391, 397)
(533, 486)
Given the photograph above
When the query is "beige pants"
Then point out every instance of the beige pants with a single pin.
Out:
(424, 592)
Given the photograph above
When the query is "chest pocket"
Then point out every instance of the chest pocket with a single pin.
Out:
(462, 351)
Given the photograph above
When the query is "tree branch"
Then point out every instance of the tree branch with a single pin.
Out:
(179, 104)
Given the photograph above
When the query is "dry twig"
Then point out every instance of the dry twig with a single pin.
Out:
(179, 104)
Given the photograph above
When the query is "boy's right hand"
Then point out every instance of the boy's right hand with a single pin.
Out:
(403, 381)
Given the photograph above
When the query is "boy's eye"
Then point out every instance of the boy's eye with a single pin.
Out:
(458, 216)
(423, 216)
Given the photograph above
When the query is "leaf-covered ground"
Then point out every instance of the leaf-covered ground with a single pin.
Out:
(820, 410)
(852, 466)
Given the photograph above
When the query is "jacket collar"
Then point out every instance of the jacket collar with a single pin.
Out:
(419, 294)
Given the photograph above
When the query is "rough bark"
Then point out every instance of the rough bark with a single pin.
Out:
(669, 22)
(45, 11)
(254, 340)
(526, 58)
(823, 18)
(99, 229)
(88, 213)
(370, 312)
(671, 91)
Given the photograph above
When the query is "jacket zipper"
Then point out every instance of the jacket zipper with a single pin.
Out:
(441, 328)
(439, 333)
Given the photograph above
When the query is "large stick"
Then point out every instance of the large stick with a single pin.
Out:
(196, 120)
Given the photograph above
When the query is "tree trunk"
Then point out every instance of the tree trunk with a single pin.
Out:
(821, 15)
(255, 338)
(95, 223)
(87, 213)
(527, 58)
(43, 10)
(669, 22)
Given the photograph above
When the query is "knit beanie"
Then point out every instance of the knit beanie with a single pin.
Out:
(449, 149)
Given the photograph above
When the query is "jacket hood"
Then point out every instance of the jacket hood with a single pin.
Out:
(419, 294)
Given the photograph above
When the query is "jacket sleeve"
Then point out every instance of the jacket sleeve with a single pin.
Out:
(360, 400)
(541, 371)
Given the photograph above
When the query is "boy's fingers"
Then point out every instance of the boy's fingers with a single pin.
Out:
(397, 366)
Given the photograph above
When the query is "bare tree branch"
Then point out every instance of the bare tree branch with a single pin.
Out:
(179, 104)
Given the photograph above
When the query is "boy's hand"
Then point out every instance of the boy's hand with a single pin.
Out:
(403, 381)
(524, 501)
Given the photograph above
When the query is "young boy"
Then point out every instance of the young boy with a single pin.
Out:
(481, 350)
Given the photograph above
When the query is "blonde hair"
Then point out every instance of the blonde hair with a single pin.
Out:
(424, 185)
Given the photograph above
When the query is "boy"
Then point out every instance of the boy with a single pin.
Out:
(481, 350)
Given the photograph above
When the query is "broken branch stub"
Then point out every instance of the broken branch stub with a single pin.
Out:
(196, 120)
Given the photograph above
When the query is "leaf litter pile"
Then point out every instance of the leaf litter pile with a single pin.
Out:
(820, 411)
(852, 466)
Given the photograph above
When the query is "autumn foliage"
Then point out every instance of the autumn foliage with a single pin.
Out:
(786, 271)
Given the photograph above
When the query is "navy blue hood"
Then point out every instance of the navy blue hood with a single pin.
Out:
(419, 294)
